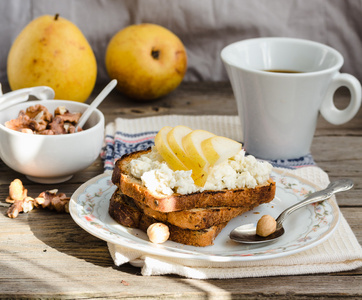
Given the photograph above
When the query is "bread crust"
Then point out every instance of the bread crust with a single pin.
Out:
(124, 211)
(132, 187)
(193, 219)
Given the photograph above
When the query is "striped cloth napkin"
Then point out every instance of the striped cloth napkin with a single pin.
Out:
(128, 135)
(341, 252)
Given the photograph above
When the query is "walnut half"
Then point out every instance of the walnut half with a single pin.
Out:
(38, 120)
(22, 203)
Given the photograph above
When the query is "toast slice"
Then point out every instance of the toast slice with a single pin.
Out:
(133, 187)
(125, 212)
(194, 219)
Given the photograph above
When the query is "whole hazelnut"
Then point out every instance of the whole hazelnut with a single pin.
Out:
(158, 233)
(266, 226)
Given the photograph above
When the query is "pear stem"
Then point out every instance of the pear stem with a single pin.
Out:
(56, 17)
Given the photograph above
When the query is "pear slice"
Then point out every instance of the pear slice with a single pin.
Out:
(218, 149)
(166, 152)
(192, 146)
(174, 139)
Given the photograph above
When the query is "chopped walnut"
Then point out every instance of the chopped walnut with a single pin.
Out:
(25, 205)
(17, 192)
(18, 196)
(28, 204)
(70, 118)
(60, 110)
(38, 120)
(39, 113)
(57, 126)
(22, 203)
(15, 209)
(23, 122)
(66, 116)
(54, 201)
(47, 132)
(15, 124)
(27, 130)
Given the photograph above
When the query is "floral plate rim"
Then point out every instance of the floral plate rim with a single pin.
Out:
(93, 217)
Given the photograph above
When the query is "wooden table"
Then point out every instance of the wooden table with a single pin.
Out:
(47, 255)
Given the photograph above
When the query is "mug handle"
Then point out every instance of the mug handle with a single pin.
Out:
(329, 111)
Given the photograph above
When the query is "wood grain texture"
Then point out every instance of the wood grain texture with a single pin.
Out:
(46, 255)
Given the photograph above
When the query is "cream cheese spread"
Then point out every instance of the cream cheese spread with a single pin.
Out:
(239, 171)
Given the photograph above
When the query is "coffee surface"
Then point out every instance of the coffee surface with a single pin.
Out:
(283, 71)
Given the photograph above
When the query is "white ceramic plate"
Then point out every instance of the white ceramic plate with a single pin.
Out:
(305, 228)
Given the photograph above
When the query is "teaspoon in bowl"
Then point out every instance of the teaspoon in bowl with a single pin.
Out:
(96, 102)
(247, 233)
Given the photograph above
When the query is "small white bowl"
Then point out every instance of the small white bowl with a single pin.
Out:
(51, 158)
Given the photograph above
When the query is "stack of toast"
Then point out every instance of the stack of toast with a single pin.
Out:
(193, 219)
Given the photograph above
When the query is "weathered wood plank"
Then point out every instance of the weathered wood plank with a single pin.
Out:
(46, 255)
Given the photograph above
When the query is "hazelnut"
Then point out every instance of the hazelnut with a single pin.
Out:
(266, 226)
(158, 233)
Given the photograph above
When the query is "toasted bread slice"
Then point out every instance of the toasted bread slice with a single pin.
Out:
(194, 219)
(124, 211)
(133, 187)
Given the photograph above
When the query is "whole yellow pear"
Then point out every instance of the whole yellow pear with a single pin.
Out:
(148, 61)
(52, 51)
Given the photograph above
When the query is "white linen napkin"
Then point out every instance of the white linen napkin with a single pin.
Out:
(341, 252)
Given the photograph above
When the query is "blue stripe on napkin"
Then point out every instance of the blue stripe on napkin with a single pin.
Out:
(124, 143)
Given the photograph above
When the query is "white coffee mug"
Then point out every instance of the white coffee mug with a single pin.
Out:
(279, 110)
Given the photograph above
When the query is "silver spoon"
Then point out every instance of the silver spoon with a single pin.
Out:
(247, 233)
(98, 100)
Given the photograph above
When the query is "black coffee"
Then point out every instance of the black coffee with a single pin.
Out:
(283, 71)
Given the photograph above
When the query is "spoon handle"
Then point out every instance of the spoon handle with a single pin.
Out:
(334, 187)
(98, 100)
